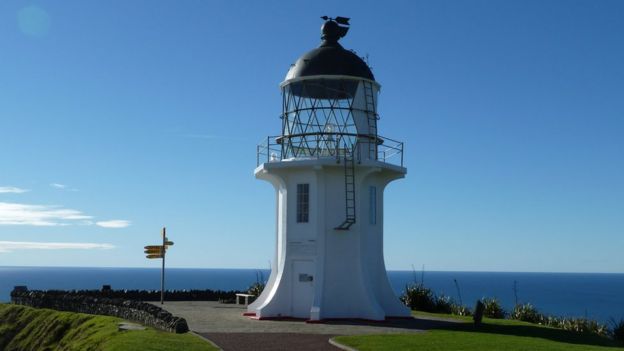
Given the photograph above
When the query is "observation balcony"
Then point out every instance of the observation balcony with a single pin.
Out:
(327, 145)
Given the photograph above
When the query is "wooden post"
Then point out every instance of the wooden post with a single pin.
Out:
(162, 272)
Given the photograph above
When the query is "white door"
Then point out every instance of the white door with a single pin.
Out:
(303, 288)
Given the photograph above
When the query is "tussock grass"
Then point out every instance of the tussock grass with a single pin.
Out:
(25, 328)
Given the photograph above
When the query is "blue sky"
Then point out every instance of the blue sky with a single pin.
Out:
(117, 118)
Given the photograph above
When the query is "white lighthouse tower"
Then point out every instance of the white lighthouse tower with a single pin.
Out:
(329, 168)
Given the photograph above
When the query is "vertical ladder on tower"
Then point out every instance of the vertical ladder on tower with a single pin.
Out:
(349, 176)
(369, 98)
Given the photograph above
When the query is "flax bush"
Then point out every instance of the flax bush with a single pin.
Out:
(617, 330)
(256, 288)
(418, 297)
(579, 325)
(461, 310)
(527, 313)
(421, 298)
(493, 308)
(444, 304)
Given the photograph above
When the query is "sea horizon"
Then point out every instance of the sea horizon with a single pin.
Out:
(570, 294)
(248, 268)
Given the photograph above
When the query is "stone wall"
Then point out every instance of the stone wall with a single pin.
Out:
(76, 301)
(154, 295)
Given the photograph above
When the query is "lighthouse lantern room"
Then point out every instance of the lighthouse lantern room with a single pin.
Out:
(329, 167)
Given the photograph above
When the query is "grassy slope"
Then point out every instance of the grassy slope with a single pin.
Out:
(493, 335)
(24, 328)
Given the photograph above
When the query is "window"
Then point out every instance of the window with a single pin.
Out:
(372, 202)
(303, 203)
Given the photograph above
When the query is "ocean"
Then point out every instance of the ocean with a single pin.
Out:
(593, 295)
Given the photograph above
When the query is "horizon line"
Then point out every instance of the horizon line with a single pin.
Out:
(246, 268)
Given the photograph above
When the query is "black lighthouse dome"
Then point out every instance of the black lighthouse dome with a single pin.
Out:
(330, 58)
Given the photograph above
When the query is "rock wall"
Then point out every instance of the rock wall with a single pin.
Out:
(149, 295)
(76, 301)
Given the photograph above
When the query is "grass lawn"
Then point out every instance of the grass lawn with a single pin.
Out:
(494, 334)
(25, 328)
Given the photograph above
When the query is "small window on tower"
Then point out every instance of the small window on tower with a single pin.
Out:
(372, 211)
(303, 203)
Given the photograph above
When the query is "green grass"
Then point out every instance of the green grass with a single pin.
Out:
(442, 316)
(25, 328)
(494, 334)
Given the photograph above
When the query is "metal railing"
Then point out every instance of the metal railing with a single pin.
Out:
(388, 151)
(268, 150)
(391, 151)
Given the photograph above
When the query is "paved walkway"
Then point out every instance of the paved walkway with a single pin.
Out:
(226, 326)
(271, 341)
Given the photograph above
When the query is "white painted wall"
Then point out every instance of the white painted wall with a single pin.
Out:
(348, 270)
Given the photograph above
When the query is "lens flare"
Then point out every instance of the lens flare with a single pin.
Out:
(33, 21)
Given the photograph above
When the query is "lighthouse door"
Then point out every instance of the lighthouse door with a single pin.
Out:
(302, 288)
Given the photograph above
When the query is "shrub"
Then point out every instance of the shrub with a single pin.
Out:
(256, 288)
(582, 325)
(443, 304)
(461, 310)
(578, 325)
(596, 328)
(527, 313)
(617, 331)
(417, 297)
(493, 308)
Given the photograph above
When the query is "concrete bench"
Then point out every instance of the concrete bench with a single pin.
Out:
(246, 296)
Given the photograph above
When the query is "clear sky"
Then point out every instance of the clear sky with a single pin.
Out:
(117, 118)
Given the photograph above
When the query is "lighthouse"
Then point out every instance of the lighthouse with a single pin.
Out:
(329, 167)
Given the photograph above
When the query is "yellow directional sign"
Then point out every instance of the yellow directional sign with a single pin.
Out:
(159, 251)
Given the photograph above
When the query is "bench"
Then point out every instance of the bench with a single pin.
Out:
(246, 296)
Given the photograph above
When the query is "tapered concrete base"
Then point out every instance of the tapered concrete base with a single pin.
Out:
(319, 272)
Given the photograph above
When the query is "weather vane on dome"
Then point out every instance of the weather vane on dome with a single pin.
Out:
(335, 27)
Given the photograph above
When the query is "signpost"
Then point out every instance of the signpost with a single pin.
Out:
(159, 251)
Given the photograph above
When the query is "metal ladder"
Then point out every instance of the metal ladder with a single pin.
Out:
(369, 98)
(349, 176)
